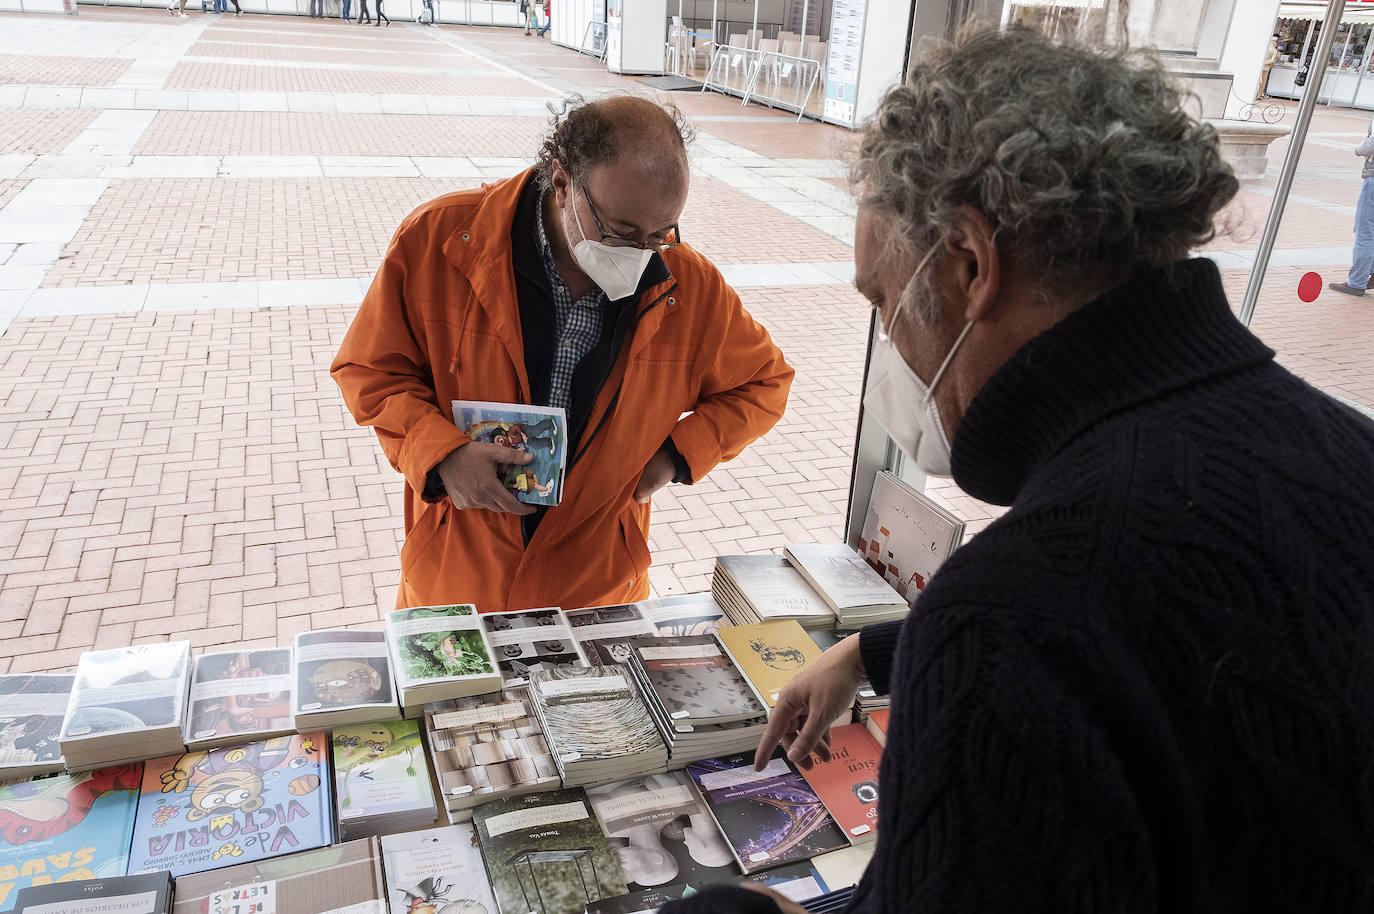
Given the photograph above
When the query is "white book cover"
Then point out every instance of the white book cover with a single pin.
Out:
(842, 576)
(605, 631)
(540, 431)
(129, 689)
(437, 870)
(531, 639)
(773, 587)
(339, 669)
(906, 535)
(440, 644)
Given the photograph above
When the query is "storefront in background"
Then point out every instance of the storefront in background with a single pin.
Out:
(1347, 80)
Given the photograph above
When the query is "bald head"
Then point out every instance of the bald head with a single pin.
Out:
(642, 140)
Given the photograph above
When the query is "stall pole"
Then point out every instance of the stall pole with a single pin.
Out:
(806, 8)
(1290, 165)
(714, 38)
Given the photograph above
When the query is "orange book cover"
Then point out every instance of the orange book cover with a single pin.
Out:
(848, 783)
(877, 725)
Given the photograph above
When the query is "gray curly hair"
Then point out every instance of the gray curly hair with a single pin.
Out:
(585, 134)
(1083, 161)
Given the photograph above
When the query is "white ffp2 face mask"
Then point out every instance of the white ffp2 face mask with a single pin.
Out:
(616, 271)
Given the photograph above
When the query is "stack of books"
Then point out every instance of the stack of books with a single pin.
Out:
(382, 779)
(204, 809)
(239, 697)
(32, 706)
(439, 652)
(700, 701)
(127, 704)
(858, 595)
(330, 880)
(684, 614)
(876, 722)
(605, 631)
(150, 893)
(488, 746)
(528, 640)
(596, 724)
(438, 869)
(769, 654)
(760, 588)
(342, 677)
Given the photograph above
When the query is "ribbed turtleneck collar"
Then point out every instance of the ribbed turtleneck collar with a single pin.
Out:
(1161, 331)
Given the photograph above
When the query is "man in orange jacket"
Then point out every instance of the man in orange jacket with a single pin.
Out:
(565, 286)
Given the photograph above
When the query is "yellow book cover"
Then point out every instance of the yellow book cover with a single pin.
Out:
(769, 654)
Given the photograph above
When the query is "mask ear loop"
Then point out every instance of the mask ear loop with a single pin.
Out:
(958, 341)
(572, 201)
(900, 307)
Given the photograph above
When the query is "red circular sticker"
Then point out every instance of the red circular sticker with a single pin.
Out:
(1310, 286)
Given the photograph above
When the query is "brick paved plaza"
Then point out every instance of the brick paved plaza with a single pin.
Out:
(190, 210)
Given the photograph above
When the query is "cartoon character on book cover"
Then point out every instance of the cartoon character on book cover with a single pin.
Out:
(433, 655)
(540, 434)
(368, 752)
(242, 713)
(211, 808)
(66, 828)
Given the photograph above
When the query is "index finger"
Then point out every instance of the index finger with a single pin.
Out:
(778, 726)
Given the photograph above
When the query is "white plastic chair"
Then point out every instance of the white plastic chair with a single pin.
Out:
(753, 36)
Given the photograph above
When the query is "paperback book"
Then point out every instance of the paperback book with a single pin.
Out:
(240, 696)
(126, 704)
(208, 808)
(684, 614)
(66, 827)
(545, 853)
(769, 654)
(661, 832)
(150, 893)
(844, 867)
(540, 431)
(605, 631)
(597, 726)
(528, 640)
(693, 681)
(437, 870)
(343, 677)
(906, 535)
(876, 722)
(32, 706)
(848, 783)
(857, 594)
(488, 746)
(338, 879)
(799, 882)
(381, 778)
(645, 901)
(769, 817)
(440, 652)
(755, 588)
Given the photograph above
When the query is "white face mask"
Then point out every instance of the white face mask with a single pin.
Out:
(904, 405)
(616, 271)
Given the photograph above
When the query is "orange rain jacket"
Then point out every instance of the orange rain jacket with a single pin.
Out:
(441, 323)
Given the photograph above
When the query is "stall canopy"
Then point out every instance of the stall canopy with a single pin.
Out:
(1363, 12)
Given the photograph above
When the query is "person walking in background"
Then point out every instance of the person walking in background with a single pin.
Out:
(381, 15)
(548, 18)
(1362, 257)
(528, 14)
(346, 6)
(427, 14)
(316, 9)
(1271, 57)
(363, 14)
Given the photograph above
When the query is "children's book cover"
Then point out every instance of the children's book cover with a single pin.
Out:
(848, 783)
(380, 769)
(605, 631)
(209, 808)
(439, 643)
(437, 871)
(769, 654)
(32, 706)
(537, 430)
(127, 689)
(65, 828)
(240, 694)
(342, 668)
(661, 832)
(770, 816)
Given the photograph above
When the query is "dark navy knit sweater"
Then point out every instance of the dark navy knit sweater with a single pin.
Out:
(1149, 687)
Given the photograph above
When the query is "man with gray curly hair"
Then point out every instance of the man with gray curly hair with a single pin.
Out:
(1147, 687)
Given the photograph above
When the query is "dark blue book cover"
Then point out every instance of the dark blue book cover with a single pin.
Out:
(66, 827)
(205, 809)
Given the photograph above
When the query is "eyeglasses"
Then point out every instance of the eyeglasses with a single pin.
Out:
(670, 238)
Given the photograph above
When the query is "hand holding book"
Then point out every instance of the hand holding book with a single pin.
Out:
(809, 704)
(472, 477)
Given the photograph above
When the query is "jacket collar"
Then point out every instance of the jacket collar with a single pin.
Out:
(1160, 332)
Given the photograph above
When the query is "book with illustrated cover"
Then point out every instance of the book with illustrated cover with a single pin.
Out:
(150, 893)
(755, 588)
(597, 725)
(645, 901)
(541, 431)
(662, 833)
(208, 808)
(694, 681)
(858, 594)
(906, 535)
(799, 882)
(848, 783)
(769, 654)
(32, 706)
(66, 827)
(605, 631)
(127, 703)
(545, 853)
(684, 614)
(530, 639)
(437, 870)
(381, 778)
(240, 696)
(343, 676)
(770, 816)
(440, 652)
(338, 879)
(488, 746)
